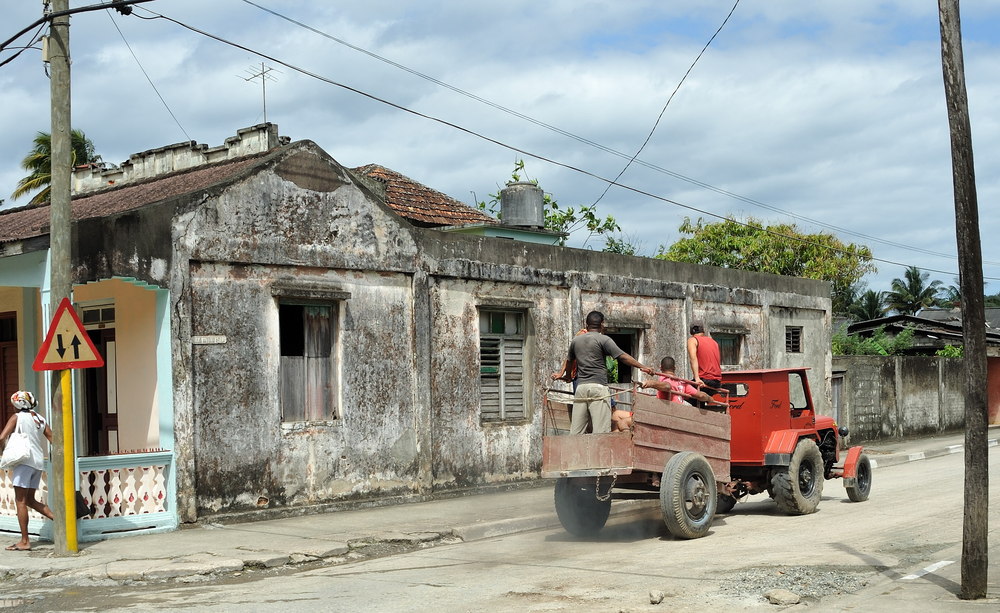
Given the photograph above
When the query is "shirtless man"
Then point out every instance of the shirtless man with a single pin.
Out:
(670, 387)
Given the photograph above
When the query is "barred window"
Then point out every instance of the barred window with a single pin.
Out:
(501, 365)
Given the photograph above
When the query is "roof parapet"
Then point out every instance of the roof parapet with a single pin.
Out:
(180, 156)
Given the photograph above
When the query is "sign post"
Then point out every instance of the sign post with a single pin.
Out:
(66, 346)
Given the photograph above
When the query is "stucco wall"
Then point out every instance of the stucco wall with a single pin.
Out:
(135, 343)
(407, 337)
(893, 397)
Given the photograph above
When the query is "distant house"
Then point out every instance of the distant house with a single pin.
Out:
(282, 333)
(933, 329)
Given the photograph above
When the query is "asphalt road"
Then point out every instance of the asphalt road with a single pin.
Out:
(912, 521)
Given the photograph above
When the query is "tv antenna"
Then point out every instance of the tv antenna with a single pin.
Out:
(264, 74)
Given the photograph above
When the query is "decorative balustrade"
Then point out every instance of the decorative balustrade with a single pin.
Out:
(125, 484)
(126, 492)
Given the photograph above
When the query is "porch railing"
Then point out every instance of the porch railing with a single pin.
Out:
(126, 493)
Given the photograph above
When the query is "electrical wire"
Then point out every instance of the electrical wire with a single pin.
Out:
(667, 103)
(516, 149)
(34, 39)
(145, 74)
(632, 159)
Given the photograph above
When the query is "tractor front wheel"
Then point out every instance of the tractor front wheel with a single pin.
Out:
(799, 487)
(579, 510)
(861, 486)
(688, 495)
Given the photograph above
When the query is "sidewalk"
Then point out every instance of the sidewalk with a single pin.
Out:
(215, 549)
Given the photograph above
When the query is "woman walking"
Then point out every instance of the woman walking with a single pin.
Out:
(28, 474)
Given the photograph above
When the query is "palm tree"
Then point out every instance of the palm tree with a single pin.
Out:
(869, 305)
(912, 294)
(39, 164)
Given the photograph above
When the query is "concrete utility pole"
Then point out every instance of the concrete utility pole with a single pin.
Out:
(975, 563)
(60, 284)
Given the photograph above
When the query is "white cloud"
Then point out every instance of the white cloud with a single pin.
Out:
(832, 111)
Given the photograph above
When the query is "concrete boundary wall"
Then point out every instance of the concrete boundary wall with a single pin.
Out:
(899, 396)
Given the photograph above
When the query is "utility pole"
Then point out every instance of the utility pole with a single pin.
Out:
(63, 497)
(975, 563)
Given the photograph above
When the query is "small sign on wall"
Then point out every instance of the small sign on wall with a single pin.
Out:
(208, 339)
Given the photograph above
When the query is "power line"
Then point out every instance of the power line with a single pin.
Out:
(667, 103)
(632, 159)
(515, 148)
(34, 39)
(145, 74)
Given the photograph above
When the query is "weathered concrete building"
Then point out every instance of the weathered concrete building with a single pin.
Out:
(281, 336)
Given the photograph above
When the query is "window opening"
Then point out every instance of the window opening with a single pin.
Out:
(793, 339)
(501, 365)
(307, 335)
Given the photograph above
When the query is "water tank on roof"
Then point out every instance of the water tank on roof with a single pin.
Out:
(522, 204)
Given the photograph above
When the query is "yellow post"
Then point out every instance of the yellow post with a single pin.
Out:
(69, 459)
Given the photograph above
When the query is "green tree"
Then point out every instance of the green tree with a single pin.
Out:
(912, 293)
(780, 249)
(38, 163)
(623, 245)
(869, 305)
(558, 218)
(876, 344)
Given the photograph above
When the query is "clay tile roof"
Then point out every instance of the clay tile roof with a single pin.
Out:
(420, 204)
(24, 223)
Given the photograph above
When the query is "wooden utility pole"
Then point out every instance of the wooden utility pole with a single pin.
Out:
(975, 563)
(61, 158)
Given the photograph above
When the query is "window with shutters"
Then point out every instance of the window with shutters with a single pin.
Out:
(307, 335)
(730, 346)
(793, 339)
(501, 365)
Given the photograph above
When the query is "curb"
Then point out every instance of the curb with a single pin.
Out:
(902, 458)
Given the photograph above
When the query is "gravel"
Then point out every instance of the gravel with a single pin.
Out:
(807, 582)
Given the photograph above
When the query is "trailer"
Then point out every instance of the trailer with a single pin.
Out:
(674, 452)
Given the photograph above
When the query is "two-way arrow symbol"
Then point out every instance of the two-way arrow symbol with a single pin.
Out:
(62, 350)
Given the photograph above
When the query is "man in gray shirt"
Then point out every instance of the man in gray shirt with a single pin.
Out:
(592, 400)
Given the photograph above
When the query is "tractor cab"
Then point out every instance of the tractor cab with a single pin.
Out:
(762, 402)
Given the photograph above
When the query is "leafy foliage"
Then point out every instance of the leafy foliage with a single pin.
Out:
(622, 245)
(913, 292)
(557, 218)
(951, 351)
(879, 343)
(869, 305)
(780, 249)
(38, 163)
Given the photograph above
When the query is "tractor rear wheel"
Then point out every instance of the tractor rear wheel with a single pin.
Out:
(859, 489)
(688, 495)
(799, 487)
(578, 508)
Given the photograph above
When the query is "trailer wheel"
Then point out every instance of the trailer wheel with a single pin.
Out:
(799, 487)
(725, 504)
(859, 489)
(688, 495)
(577, 506)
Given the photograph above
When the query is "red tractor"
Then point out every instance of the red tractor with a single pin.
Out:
(780, 446)
(765, 437)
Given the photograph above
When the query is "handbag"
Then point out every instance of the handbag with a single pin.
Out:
(17, 449)
(82, 508)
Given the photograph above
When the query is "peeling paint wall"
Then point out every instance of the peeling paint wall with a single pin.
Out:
(406, 335)
(899, 396)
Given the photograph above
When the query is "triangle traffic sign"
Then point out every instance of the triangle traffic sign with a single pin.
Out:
(67, 344)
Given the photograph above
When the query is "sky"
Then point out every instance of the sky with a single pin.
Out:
(827, 114)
